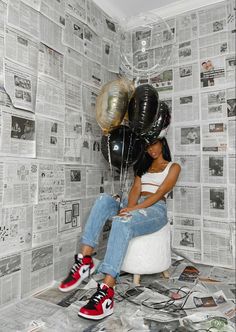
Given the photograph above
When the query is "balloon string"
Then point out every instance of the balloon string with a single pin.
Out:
(122, 160)
(111, 167)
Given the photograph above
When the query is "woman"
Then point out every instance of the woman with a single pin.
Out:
(144, 213)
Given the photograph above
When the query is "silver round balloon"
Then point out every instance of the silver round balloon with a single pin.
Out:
(112, 103)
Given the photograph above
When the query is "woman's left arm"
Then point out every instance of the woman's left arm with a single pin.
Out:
(164, 188)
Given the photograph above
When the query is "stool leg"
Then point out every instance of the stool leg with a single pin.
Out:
(136, 279)
(166, 274)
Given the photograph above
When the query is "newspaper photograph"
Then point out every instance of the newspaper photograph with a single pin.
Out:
(23, 17)
(187, 199)
(10, 279)
(214, 169)
(187, 239)
(77, 8)
(187, 139)
(231, 103)
(214, 137)
(231, 135)
(15, 229)
(190, 168)
(187, 27)
(44, 223)
(188, 51)
(89, 96)
(37, 270)
(215, 201)
(212, 21)
(20, 83)
(17, 133)
(73, 92)
(73, 34)
(213, 105)
(75, 181)
(217, 249)
(49, 138)
(212, 72)
(51, 182)
(51, 34)
(21, 48)
(92, 45)
(54, 10)
(64, 252)
(50, 62)
(73, 135)
(164, 81)
(186, 77)
(186, 108)
(69, 216)
(110, 55)
(73, 63)
(20, 183)
(92, 73)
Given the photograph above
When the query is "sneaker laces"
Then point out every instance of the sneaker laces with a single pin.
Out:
(96, 297)
(78, 263)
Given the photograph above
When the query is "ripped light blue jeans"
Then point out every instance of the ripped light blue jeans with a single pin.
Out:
(135, 223)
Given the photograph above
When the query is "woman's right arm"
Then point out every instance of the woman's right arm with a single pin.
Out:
(135, 191)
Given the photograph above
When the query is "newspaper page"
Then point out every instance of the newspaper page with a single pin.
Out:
(231, 24)
(49, 138)
(94, 178)
(50, 62)
(73, 34)
(110, 55)
(73, 92)
(230, 68)
(50, 98)
(214, 136)
(91, 146)
(75, 182)
(3, 15)
(51, 34)
(3, 12)
(187, 139)
(187, 27)
(186, 107)
(186, 77)
(213, 45)
(214, 169)
(55, 10)
(17, 133)
(231, 103)
(73, 63)
(51, 182)
(190, 168)
(69, 217)
(23, 17)
(212, 71)
(33, 3)
(187, 233)
(217, 249)
(187, 199)
(10, 279)
(21, 48)
(15, 229)
(215, 201)
(4, 98)
(92, 73)
(1, 181)
(188, 51)
(37, 270)
(231, 167)
(231, 190)
(231, 135)
(163, 82)
(94, 17)
(92, 45)
(44, 223)
(20, 183)
(73, 136)
(64, 252)
(213, 105)
(212, 20)
(111, 29)
(20, 83)
(89, 96)
(77, 8)
(1, 59)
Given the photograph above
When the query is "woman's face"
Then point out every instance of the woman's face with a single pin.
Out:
(155, 150)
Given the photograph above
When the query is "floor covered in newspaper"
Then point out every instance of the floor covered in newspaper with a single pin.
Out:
(193, 298)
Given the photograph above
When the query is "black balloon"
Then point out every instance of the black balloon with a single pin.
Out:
(125, 148)
(162, 122)
(143, 108)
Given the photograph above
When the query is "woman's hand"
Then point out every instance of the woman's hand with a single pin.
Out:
(126, 210)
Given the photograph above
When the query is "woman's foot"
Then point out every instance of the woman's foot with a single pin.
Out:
(100, 304)
(82, 268)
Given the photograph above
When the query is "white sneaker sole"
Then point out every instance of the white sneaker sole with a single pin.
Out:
(106, 314)
(68, 289)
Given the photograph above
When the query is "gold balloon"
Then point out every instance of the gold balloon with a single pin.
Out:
(112, 103)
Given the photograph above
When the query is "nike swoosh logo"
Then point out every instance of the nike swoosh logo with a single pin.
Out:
(84, 270)
(108, 304)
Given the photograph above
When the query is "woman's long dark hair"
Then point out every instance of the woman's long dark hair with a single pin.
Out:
(146, 160)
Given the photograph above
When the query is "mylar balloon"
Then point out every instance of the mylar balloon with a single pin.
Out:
(159, 126)
(143, 108)
(123, 145)
(112, 103)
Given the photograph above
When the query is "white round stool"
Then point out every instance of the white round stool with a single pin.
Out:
(149, 254)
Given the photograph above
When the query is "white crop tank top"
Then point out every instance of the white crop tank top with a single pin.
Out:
(150, 181)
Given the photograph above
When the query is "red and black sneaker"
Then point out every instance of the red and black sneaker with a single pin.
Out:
(81, 269)
(100, 304)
